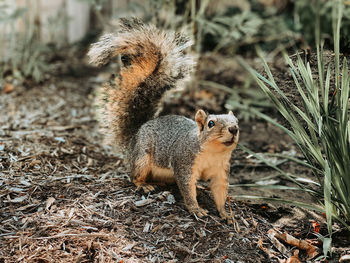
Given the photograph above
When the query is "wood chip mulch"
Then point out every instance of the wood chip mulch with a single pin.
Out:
(66, 198)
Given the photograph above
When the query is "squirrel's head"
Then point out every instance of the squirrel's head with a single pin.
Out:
(220, 130)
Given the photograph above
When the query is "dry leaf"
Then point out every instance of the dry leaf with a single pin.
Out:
(269, 252)
(144, 202)
(49, 202)
(156, 229)
(344, 258)
(295, 258)
(316, 226)
(129, 247)
(281, 248)
(147, 227)
(311, 250)
(19, 199)
(90, 162)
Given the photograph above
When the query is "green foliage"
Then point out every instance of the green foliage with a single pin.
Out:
(306, 12)
(231, 27)
(6, 16)
(245, 97)
(224, 27)
(28, 58)
(25, 54)
(237, 28)
(96, 4)
(321, 127)
(230, 31)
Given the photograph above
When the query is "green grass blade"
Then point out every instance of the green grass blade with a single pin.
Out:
(276, 187)
(337, 17)
(293, 159)
(345, 93)
(326, 91)
(327, 198)
(216, 85)
(306, 118)
(257, 156)
(282, 201)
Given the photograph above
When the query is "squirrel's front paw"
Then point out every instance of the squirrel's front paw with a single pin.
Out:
(228, 218)
(199, 212)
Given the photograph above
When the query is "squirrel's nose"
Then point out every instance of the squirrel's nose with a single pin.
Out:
(233, 130)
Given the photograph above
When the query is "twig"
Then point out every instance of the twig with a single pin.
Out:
(76, 235)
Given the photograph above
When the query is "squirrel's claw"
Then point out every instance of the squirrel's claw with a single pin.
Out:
(230, 219)
(199, 212)
(146, 188)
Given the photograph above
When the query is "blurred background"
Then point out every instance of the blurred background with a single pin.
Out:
(32, 32)
(37, 37)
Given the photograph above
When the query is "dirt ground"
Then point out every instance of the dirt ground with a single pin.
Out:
(67, 198)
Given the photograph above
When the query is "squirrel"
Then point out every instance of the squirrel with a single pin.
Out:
(169, 148)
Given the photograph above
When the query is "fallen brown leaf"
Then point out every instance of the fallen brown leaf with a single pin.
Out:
(294, 258)
(8, 87)
(311, 250)
(344, 258)
(269, 252)
(281, 248)
(316, 226)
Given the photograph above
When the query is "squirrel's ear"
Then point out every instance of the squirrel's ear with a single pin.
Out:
(230, 113)
(201, 117)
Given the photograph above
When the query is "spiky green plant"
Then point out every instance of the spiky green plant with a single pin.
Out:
(321, 126)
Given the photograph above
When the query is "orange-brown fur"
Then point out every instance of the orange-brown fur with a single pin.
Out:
(162, 175)
(155, 62)
(130, 78)
(167, 148)
(141, 170)
(145, 172)
(213, 164)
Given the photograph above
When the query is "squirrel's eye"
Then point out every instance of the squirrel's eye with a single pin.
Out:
(211, 124)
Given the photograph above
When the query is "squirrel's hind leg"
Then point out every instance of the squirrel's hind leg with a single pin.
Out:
(140, 171)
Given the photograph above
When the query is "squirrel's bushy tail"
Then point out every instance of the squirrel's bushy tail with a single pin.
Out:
(154, 62)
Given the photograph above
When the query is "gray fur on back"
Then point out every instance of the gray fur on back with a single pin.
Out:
(159, 137)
